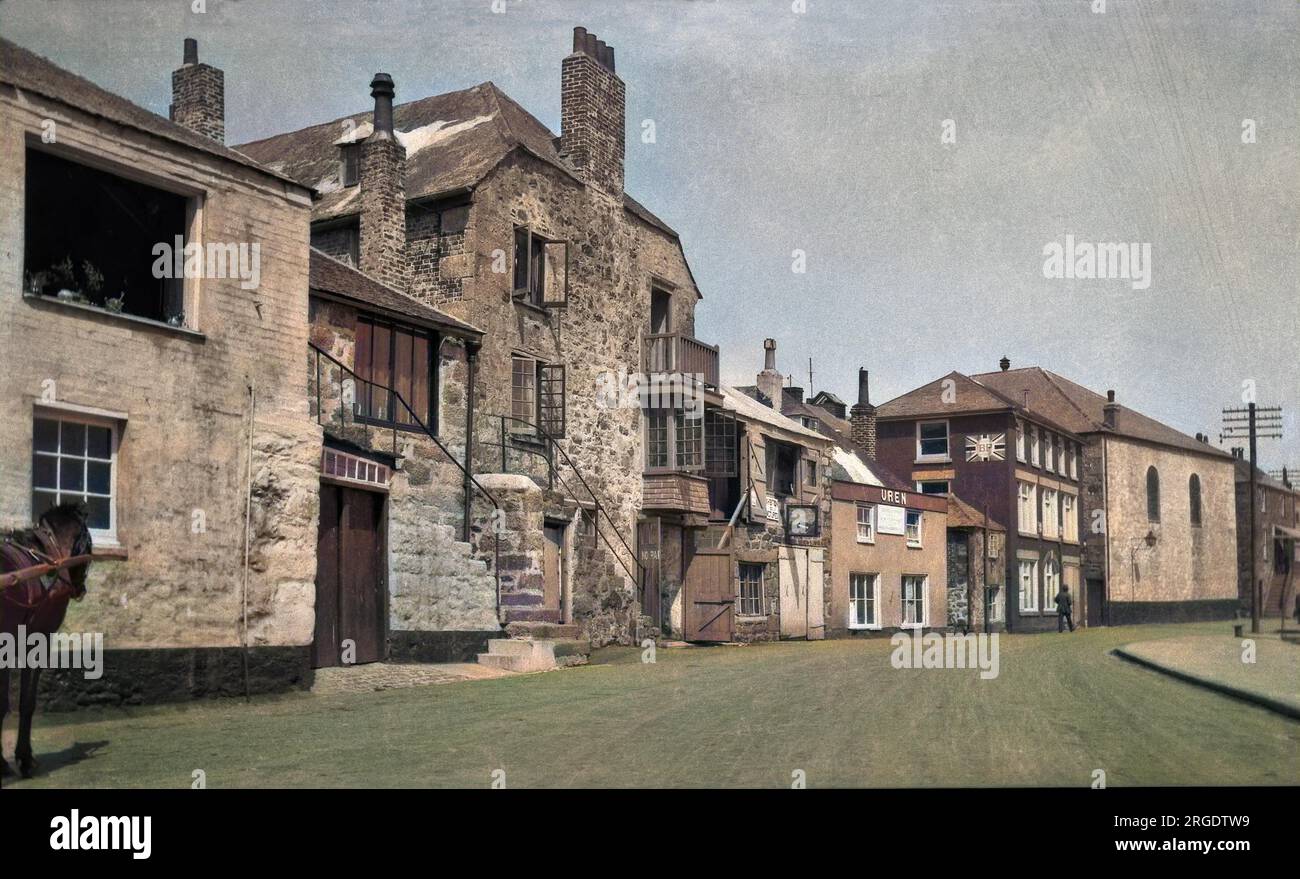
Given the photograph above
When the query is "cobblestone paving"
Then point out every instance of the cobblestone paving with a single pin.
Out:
(386, 676)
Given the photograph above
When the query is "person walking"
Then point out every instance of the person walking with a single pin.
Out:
(1064, 609)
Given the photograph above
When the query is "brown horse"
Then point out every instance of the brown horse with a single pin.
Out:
(39, 603)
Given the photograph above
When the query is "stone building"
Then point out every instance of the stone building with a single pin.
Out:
(999, 453)
(468, 204)
(1271, 567)
(1160, 530)
(152, 331)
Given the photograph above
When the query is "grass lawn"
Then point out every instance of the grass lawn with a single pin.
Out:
(722, 716)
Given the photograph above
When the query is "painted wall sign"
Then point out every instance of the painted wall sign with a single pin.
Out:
(803, 520)
(986, 447)
(891, 496)
(773, 509)
(891, 520)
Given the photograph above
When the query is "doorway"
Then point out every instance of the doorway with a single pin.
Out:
(351, 578)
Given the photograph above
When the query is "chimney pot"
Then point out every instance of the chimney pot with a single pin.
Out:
(382, 90)
(864, 393)
(1005, 363)
(862, 419)
(609, 58)
(1110, 396)
(191, 51)
(579, 39)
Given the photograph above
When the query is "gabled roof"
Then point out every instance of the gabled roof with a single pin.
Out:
(963, 515)
(27, 71)
(338, 280)
(965, 396)
(748, 408)
(1082, 411)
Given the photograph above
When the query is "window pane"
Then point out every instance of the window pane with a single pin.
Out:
(41, 502)
(379, 371)
(74, 439)
(45, 471)
(46, 435)
(72, 474)
(98, 510)
(99, 442)
(361, 364)
(421, 378)
(97, 477)
(402, 374)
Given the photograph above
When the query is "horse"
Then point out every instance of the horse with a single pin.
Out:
(39, 602)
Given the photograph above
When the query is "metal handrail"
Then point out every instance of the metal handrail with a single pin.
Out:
(416, 421)
(553, 444)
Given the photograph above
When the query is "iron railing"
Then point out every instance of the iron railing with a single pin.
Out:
(530, 439)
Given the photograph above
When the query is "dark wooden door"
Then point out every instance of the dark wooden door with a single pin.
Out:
(553, 570)
(350, 577)
(709, 596)
(1094, 608)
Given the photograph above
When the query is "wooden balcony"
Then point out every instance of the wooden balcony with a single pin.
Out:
(678, 353)
(675, 492)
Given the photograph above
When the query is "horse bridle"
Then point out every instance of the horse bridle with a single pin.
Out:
(59, 574)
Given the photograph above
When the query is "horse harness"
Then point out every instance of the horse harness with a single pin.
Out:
(17, 553)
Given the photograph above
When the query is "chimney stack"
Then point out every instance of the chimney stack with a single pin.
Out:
(199, 95)
(862, 419)
(383, 193)
(1005, 363)
(593, 103)
(1110, 412)
(770, 381)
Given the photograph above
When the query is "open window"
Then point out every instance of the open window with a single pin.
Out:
(541, 275)
(537, 396)
(90, 238)
(782, 469)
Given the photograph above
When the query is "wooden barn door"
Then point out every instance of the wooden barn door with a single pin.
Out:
(350, 576)
(709, 597)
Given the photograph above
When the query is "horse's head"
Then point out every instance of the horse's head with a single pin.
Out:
(67, 522)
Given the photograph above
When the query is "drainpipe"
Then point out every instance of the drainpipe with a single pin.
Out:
(472, 349)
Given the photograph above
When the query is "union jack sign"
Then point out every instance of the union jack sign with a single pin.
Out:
(986, 447)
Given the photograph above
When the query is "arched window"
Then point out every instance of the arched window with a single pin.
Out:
(1153, 494)
(1194, 498)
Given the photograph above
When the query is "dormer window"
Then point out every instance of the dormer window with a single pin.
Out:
(350, 164)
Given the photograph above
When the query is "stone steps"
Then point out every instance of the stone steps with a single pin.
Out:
(543, 630)
(527, 655)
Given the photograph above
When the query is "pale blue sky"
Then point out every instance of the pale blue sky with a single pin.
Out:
(820, 131)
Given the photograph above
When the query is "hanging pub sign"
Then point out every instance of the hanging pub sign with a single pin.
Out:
(802, 520)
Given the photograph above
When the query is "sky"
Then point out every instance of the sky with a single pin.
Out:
(822, 132)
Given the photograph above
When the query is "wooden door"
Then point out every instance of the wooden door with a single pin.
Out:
(350, 577)
(792, 574)
(649, 545)
(816, 595)
(553, 570)
(1093, 607)
(709, 596)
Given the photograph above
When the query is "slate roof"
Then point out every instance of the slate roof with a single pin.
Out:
(747, 407)
(27, 71)
(1081, 410)
(963, 515)
(340, 280)
(970, 396)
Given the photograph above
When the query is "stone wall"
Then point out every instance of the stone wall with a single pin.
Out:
(180, 400)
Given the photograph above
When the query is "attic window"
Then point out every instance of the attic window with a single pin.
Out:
(350, 164)
(95, 238)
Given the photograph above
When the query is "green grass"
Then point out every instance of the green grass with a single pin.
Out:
(722, 716)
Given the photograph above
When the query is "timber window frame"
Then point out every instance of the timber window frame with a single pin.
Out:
(913, 527)
(400, 361)
(932, 442)
(1051, 584)
(864, 601)
(74, 459)
(674, 441)
(538, 396)
(1069, 517)
(749, 589)
(914, 589)
(1020, 441)
(1027, 507)
(866, 522)
(1027, 599)
(1051, 513)
(541, 269)
(350, 164)
(1033, 445)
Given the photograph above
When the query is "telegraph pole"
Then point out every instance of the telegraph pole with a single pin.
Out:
(1252, 419)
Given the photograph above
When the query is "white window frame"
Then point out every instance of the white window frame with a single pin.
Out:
(1031, 567)
(1049, 453)
(947, 442)
(1074, 461)
(870, 536)
(1051, 584)
(997, 606)
(924, 581)
(1027, 496)
(1051, 513)
(947, 486)
(914, 543)
(1070, 517)
(100, 536)
(1033, 445)
(859, 577)
(1020, 441)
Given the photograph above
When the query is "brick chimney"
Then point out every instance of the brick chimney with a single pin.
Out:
(199, 95)
(770, 381)
(862, 419)
(593, 104)
(383, 193)
(1110, 412)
